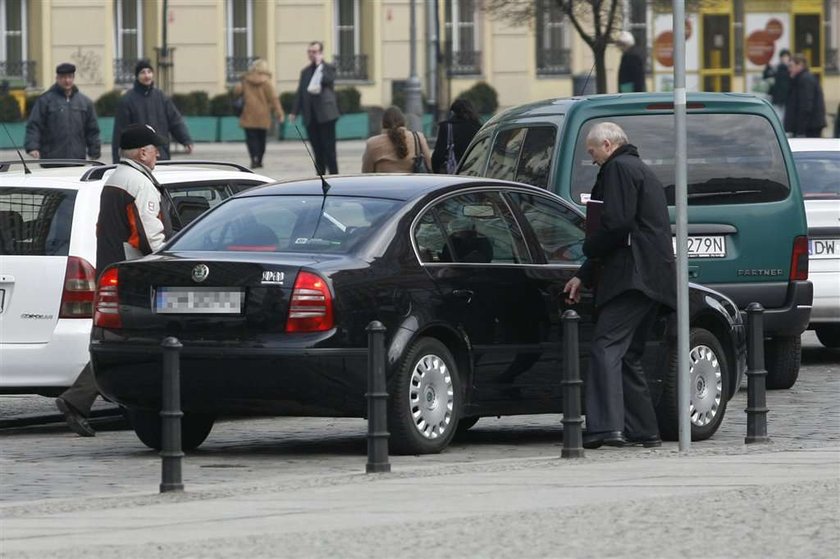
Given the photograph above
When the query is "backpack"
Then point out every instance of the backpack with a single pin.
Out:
(419, 164)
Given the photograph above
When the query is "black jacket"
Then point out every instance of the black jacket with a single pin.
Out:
(634, 205)
(322, 107)
(631, 70)
(781, 85)
(149, 105)
(462, 133)
(805, 109)
(62, 127)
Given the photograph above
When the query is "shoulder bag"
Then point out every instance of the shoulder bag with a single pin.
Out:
(419, 164)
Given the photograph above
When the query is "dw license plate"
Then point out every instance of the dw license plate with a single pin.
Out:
(713, 246)
(197, 300)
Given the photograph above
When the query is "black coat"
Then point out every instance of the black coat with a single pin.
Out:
(62, 127)
(316, 109)
(631, 70)
(781, 85)
(462, 134)
(805, 109)
(634, 205)
(149, 105)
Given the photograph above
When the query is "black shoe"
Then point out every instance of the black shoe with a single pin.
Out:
(76, 421)
(608, 438)
(650, 441)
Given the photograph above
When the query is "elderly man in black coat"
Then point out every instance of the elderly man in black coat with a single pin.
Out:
(630, 261)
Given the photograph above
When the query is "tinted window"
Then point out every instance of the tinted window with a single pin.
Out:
(36, 221)
(732, 158)
(505, 154)
(473, 162)
(287, 224)
(558, 229)
(535, 160)
(819, 173)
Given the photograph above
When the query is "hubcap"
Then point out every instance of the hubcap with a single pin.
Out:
(707, 381)
(431, 396)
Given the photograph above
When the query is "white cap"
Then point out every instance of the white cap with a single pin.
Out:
(625, 38)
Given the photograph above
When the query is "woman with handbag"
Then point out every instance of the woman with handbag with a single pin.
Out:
(259, 101)
(396, 149)
(454, 135)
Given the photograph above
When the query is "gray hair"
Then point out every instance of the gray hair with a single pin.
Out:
(607, 131)
(626, 38)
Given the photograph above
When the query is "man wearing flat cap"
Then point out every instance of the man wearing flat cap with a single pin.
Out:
(62, 124)
(146, 104)
(133, 222)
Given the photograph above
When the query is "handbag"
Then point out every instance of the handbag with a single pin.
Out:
(450, 163)
(238, 105)
(419, 164)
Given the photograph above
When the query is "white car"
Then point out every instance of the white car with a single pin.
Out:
(818, 166)
(48, 252)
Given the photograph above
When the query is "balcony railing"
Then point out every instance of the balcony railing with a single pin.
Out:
(463, 63)
(351, 66)
(124, 70)
(553, 61)
(235, 66)
(18, 70)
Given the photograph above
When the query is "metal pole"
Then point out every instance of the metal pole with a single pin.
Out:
(413, 100)
(170, 453)
(756, 377)
(431, 55)
(572, 421)
(377, 396)
(681, 183)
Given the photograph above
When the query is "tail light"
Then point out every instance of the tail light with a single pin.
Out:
(107, 301)
(799, 259)
(79, 286)
(311, 305)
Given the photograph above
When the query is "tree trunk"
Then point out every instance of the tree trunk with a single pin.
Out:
(600, 69)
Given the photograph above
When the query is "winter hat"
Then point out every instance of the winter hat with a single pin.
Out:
(142, 65)
(140, 135)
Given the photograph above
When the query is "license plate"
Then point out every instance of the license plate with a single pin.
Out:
(197, 300)
(824, 248)
(704, 246)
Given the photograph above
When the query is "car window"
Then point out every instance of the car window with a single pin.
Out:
(476, 227)
(505, 153)
(732, 158)
(287, 224)
(819, 173)
(534, 162)
(558, 229)
(36, 221)
(473, 161)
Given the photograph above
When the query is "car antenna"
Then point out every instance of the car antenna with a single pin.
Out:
(22, 160)
(325, 186)
(586, 81)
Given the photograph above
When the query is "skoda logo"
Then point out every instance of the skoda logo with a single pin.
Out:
(200, 273)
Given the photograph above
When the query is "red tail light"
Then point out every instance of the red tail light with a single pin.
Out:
(799, 259)
(107, 301)
(310, 309)
(79, 285)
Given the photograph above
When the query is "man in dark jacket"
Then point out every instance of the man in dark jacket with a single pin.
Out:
(631, 69)
(634, 257)
(781, 83)
(146, 104)
(316, 101)
(805, 109)
(62, 124)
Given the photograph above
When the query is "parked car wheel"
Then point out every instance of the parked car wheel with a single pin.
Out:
(426, 400)
(466, 423)
(782, 357)
(829, 335)
(147, 425)
(708, 382)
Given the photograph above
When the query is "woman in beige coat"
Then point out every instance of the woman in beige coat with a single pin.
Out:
(260, 101)
(393, 150)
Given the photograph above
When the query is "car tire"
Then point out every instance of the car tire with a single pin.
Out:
(195, 428)
(708, 385)
(465, 424)
(425, 400)
(782, 357)
(829, 335)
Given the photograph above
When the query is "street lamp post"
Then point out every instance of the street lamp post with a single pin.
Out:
(413, 101)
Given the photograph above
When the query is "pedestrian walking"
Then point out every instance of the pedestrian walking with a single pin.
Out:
(62, 124)
(316, 101)
(805, 109)
(131, 224)
(394, 150)
(260, 101)
(146, 104)
(454, 135)
(781, 83)
(630, 264)
(631, 69)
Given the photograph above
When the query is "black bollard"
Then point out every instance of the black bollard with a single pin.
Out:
(377, 396)
(756, 377)
(572, 421)
(171, 453)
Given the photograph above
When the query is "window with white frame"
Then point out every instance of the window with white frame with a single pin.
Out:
(553, 53)
(129, 38)
(349, 61)
(462, 43)
(239, 37)
(13, 28)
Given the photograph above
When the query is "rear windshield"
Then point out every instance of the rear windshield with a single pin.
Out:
(36, 221)
(287, 224)
(819, 174)
(732, 158)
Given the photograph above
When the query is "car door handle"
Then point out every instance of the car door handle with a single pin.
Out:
(466, 294)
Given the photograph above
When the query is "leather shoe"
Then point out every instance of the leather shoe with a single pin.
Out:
(608, 438)
(649, 441)
(75, 420)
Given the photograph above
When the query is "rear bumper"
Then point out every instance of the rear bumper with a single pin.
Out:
(789, 317)
(826, 308)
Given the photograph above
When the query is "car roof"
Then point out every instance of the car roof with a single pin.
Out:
(814, 144)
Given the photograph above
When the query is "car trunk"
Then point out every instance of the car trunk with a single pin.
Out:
(30, 297)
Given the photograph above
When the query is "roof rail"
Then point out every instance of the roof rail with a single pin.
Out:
(96, 173)
(236, 166)
(6, 165)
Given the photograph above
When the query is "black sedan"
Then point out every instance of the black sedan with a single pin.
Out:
(271, 292)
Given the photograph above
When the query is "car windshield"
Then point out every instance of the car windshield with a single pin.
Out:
(36, 221)
(819, 173)
(287, 224)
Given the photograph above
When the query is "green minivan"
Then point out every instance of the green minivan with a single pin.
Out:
(746, 218)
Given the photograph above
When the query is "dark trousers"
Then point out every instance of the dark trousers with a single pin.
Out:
(617, 396)
(322, 138)
(83, 392)
(255, 140)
